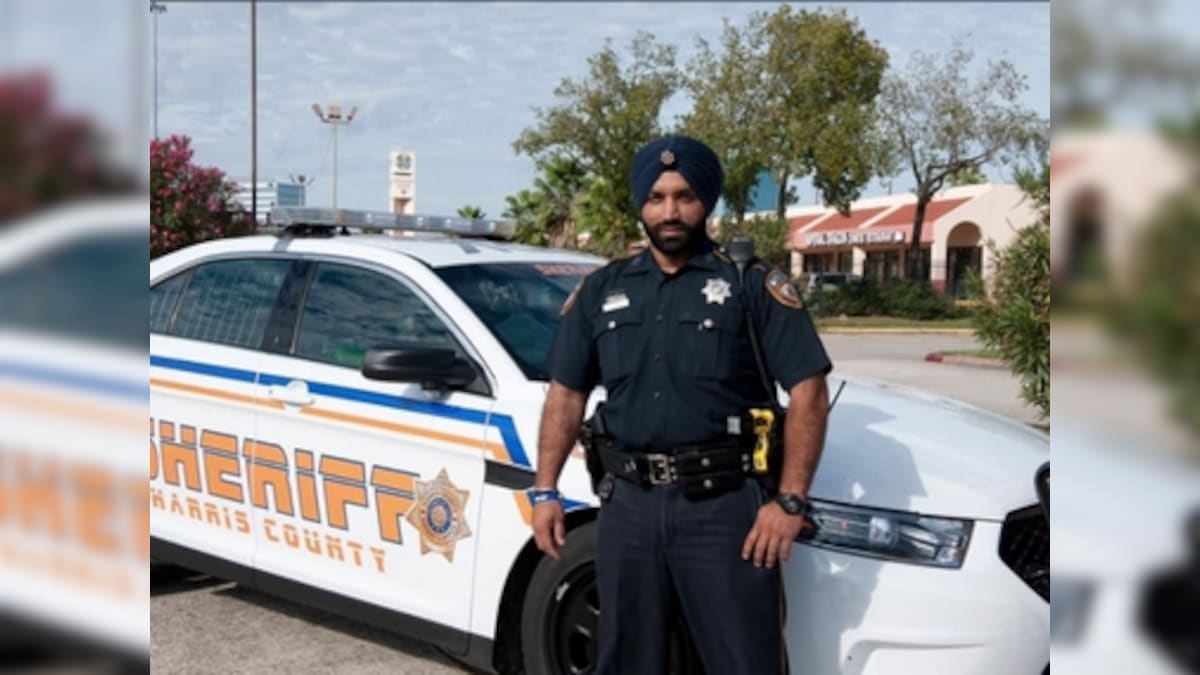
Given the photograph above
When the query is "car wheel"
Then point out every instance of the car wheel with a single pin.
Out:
(561, 615)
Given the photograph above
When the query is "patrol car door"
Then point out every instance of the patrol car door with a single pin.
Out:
(377, 483)
(207, 325)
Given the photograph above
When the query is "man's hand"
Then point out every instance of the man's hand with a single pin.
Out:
(549, 527)
(772, 535)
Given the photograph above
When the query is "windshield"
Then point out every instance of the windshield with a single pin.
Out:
(519, 302)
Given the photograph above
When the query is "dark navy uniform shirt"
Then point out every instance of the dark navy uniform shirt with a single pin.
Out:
(673, 351)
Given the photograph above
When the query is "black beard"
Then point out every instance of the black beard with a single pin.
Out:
(694, 235)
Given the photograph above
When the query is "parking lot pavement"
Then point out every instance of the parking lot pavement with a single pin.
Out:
(203, 625)
(900, 358)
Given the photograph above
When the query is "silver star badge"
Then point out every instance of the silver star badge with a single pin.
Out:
(715, 291)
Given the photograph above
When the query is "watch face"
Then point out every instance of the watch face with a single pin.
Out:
(792, 504)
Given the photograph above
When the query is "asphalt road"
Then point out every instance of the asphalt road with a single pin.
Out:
(201, 625)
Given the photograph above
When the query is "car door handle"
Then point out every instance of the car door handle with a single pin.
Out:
(295, 393)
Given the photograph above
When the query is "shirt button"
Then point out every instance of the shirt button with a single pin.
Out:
(658, 317)
(612, 325)
(657, 395)
(657, 356)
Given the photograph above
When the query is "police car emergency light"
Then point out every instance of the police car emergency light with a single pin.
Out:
(301, 220)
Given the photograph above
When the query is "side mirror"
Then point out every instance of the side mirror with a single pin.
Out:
(433, 368)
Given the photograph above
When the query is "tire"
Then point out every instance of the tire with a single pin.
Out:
(561, 615)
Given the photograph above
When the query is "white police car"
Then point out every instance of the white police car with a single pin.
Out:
(351, 420)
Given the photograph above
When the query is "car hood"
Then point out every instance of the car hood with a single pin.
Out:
(894, 447)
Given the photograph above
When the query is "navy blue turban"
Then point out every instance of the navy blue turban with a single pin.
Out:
(695, 161)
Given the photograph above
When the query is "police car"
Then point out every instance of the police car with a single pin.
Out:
(350, 419)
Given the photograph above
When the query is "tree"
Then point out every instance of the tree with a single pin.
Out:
(728, 103)
(560, 185)
(49, 156)
(820, 78)
(189, 203)
(470, 211)
(524, 209)
(1101, 60)
(969, 176)
(1013, 316)
(944, 124)
(546, 215)
(769, 234)
(601, 121)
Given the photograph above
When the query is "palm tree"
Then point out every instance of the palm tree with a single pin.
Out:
(470, 211)
(560, 185)
(524, 209)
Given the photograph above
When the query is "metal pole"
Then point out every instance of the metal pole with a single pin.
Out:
(335, 126)
(253, 114)
(156, 8)
(155, 69)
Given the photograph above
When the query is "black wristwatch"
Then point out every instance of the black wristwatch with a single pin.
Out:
(793, 505)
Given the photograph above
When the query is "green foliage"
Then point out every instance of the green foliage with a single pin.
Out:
(951, 125)
(971, 175)
(1162, 319)
(895, 298)
(547, 214)
(727, 110)
(600, 122)
(769, 234)
(820, 78)
(1013, 315)
(470, 211)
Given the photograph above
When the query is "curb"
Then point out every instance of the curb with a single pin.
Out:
(895, 331)
(964, 360)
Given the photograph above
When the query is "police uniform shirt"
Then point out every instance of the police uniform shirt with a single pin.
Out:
(673, 351)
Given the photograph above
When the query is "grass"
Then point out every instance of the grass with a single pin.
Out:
(890, 322)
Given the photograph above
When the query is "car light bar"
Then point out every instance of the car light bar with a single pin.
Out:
(292, 219)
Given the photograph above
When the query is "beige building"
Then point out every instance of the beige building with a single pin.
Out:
(873, 239)
(1104, 187)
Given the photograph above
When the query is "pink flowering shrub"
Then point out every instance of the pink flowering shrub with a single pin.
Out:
(189, 203)
(49, 156)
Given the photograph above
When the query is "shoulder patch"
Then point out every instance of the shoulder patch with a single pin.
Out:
(783, 290)
(570, 301)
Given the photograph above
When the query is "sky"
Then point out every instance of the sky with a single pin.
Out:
(455, 83)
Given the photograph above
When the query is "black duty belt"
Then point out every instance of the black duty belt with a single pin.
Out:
(704, 469)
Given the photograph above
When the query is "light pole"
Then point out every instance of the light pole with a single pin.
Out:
(334, 118)
(156, 8)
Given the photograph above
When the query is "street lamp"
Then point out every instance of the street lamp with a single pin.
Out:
(334, 118)
(156, 8)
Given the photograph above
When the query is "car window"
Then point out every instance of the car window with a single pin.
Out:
(350, 310)
(519, 303)
(229, 301)
(163, 297)
(85, 289)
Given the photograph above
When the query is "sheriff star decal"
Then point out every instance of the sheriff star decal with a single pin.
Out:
(716, 291)
(783, 290)
(437, 513)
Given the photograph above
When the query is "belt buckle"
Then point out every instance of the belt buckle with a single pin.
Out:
(660, 470)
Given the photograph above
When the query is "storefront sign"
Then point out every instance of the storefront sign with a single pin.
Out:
(860, 238)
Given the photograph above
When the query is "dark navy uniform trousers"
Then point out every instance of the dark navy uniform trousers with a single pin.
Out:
(653, 543)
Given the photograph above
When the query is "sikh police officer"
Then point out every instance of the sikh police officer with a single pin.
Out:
(666, 333)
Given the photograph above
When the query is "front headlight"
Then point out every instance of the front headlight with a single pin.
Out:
(890, 535)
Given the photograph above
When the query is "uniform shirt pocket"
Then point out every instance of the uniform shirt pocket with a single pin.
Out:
(707, 342)
(618, 339)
